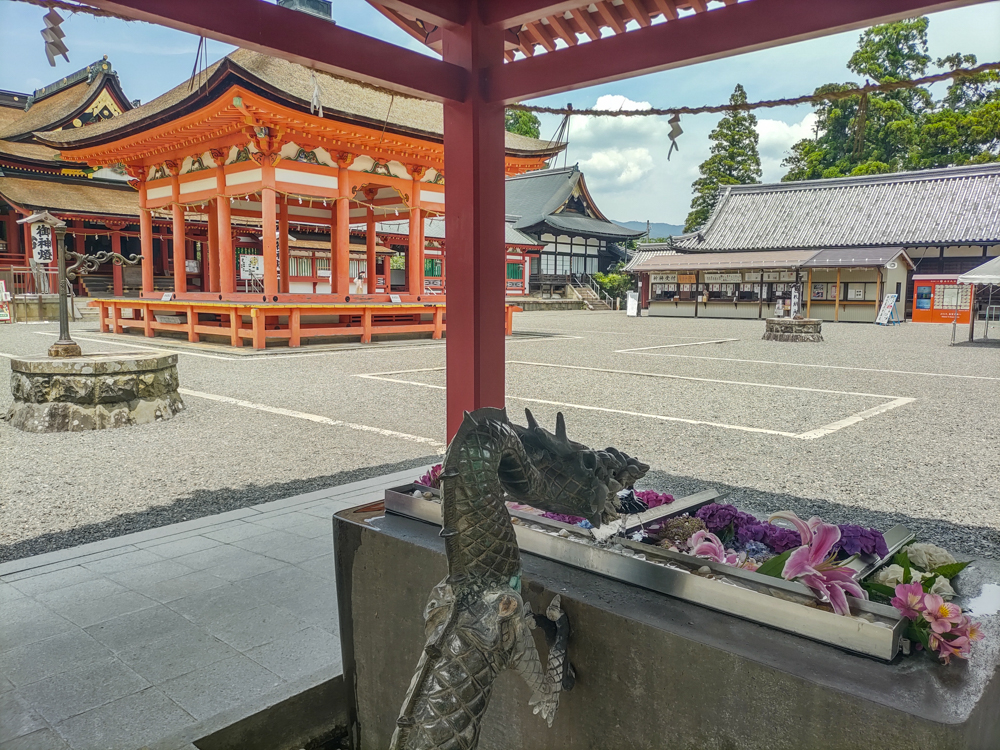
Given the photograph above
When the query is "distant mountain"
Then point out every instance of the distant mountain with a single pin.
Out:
(656, 228)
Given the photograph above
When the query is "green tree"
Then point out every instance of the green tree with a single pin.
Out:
(522, 123)
(734, 160)
(615, 282)
(903, 129)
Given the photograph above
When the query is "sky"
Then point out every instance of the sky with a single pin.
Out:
(624, 160)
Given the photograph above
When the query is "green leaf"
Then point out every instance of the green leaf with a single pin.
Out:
(775, 565)
(903, 561)
(915, 633)
(951, 570)
(928, 582)
(873, 587)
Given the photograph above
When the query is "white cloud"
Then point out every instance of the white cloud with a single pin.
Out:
(616, 168)
(616, 102)
(776, 140)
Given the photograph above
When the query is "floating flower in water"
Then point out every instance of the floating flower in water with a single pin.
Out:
(940, 614)
(909, 600)
(432, 478)
(937, 623)
(813, 563)
(928, 556)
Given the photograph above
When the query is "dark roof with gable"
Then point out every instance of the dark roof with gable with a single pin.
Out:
(955, 205)
(539, 202)
(54, 105)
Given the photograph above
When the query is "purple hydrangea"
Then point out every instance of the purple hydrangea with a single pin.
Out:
(782, 540)
(717, 517)
(859, 540)
(653, 499)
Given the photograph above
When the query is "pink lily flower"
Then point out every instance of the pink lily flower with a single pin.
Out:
(909, 600)
(940, 614)
(708, 545)
(813, 563)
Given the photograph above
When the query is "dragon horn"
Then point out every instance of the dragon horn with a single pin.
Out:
(532, 424)
(468, 418)
(561, 429)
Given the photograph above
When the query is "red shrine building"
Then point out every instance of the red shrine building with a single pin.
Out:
(269, 201)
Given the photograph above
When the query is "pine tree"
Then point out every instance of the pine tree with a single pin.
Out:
(734, 161)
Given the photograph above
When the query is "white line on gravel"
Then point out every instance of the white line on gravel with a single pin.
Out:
(825, 367)
(313, 418)
(264, 357)
(809, 435)
(701, 380)
(853, 419)
(671, 346)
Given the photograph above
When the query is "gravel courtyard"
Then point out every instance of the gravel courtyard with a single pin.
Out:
(875, 425)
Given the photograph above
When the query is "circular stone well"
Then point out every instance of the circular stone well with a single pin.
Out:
(790, 329)
(93, 392)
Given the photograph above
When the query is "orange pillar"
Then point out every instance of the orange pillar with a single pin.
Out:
(227, 263)
(284, 262)
(340, 260)
(269, 219)
(212, 269)
(146, 242)
(179, 248)
(116, 270)
(370, 270)
(415, 254)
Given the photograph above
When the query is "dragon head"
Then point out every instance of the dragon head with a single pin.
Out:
(578, 480)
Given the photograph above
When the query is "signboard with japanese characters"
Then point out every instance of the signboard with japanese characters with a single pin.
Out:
(787, 276)
(772, 275)
(251, 266)
(663, 278)
(41, 243)
(723, 278)
(884, 314)
(751, 275)
(4, 303)
(687, 278)
(194, 266)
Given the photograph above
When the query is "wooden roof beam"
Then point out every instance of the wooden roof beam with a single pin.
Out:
(611, 16)
(638, 11)
(301, 38)
(559, 25)
(437, 12)
(667, 8)
(587, 25)
(698, 6)
(512, 13)
(543, 35)
(724, 32)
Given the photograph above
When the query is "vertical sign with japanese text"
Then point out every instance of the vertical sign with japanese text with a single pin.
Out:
(41, 243)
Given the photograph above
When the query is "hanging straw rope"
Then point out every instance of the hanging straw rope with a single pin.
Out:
(829, 96)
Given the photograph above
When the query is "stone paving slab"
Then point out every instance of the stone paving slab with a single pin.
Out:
(116, 644)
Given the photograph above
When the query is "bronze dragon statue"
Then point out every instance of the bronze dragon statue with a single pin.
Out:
(476, 623)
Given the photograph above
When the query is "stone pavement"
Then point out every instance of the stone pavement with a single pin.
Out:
(118, 643)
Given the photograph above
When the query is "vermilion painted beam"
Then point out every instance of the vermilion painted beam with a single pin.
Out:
(437, 12)
(474, 229)
(724, 32)
(301, 38)
(509, 13)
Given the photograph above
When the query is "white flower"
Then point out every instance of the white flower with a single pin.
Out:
(942, 587)
(928, 556)
(890, 575)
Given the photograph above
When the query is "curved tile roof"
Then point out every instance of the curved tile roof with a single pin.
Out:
(341, 98)
(956, 205)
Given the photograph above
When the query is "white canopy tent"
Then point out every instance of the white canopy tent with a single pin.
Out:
(988, 273)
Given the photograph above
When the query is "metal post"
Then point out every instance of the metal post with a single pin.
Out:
(65, 346)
